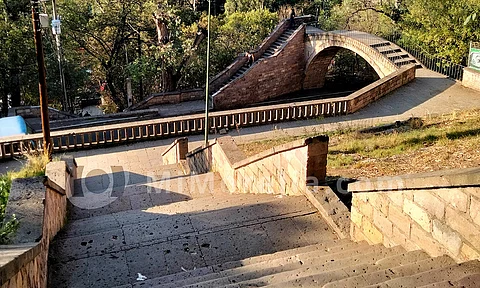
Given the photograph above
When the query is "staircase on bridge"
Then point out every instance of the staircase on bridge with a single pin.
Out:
(396, 54)
(189, 231)
(274, 48)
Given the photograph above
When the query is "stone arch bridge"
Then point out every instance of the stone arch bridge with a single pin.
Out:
(292, 59)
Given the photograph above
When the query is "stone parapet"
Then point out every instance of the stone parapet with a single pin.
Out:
(437, 212)
(25, 265)
(286, 169)
(471, 78)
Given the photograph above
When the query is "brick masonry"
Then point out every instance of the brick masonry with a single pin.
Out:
(471, 78)
(429, 212)
(29, 268)
(271, 77)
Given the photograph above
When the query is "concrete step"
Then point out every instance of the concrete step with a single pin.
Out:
(146, 195)
(403, 62)
(398, 56)
(392, 271)
(199, 217)
(98, 181)
(325, 277)
(386, 50)
(316, 265)
(451, 273)
(203, 205)
(265, 264)
(381, 44)
(470, 281)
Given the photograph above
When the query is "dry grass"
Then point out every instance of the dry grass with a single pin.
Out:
(444, 142)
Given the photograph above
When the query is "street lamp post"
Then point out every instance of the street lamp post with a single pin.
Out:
(42, 80)
(57, 33)
(207, 92)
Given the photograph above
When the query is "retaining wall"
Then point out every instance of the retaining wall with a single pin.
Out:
(26, 265)
(437, 212)
(471, 78)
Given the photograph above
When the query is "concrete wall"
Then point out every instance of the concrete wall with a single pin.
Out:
(437, 212)
(285, 169)
(471, 78)
(28, 263)
(277, 75)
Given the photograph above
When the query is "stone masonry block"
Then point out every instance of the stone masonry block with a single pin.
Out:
(366, 209)
(399, 220)
(379, 202)
(356, 217)
(371, 232)
(454, 197)
(396, 198)
(425, 241)
(468, 253)
(467, 229)
(382, 223)
(475, 210)
(418, 214)
(447, 237)
(431, 203)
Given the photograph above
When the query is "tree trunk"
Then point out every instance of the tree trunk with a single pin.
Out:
(15, 91)
(114, 93)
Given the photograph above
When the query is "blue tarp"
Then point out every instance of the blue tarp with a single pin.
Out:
(12, 126)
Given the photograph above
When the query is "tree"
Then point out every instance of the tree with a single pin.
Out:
(16, 53)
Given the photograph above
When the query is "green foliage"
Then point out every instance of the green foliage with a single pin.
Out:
(240, 32)
(442, 27)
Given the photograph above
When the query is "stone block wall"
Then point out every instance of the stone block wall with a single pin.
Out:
(271, 77)
(438, 213)
(471, 78)
(286, 169)
(28, 264)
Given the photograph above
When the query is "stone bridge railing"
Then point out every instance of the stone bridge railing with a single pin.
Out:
(97, 137)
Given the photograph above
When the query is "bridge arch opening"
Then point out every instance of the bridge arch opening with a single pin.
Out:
(337, 66)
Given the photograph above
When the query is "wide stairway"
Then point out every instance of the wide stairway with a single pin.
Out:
(171, 230)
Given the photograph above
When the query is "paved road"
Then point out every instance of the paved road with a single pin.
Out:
(430, 94)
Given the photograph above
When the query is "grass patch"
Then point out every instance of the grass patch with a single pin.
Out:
(434, 141)
(34, 167)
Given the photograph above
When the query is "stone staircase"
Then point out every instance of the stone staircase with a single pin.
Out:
(339, 263)
(189, 231)
(274, 48)
(396, 54)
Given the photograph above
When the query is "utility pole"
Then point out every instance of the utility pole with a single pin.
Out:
(207, 92)
(42, 80)
(57, 32)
